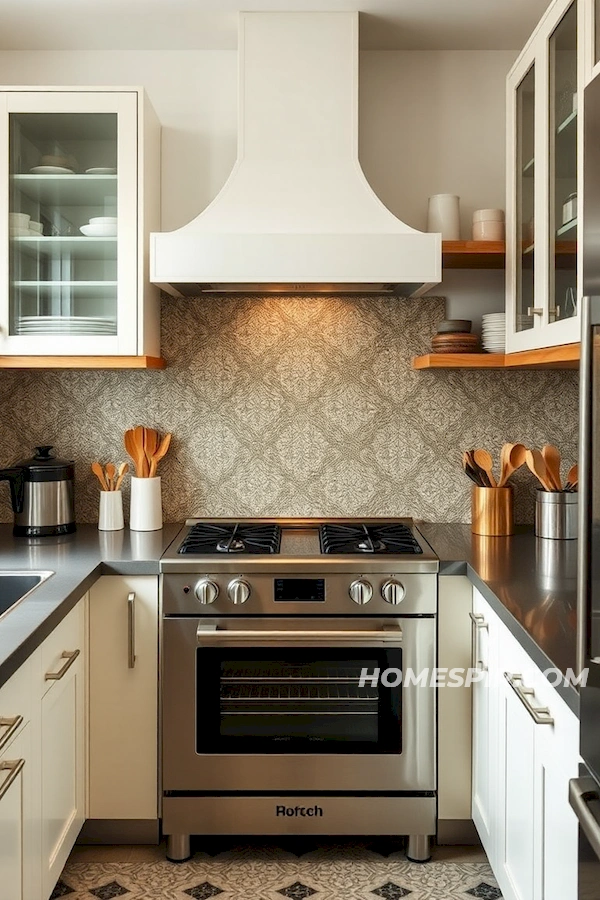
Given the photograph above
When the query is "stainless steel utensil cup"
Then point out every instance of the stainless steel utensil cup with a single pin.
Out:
(556, 515)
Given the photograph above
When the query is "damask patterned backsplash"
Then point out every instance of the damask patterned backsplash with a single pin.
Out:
(303, 406)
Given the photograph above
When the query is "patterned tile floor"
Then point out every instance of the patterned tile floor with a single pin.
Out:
(294, 870)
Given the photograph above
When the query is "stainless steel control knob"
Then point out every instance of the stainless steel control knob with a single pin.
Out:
(238, 591)
(393, 592)
(360, 591)
(206, 591)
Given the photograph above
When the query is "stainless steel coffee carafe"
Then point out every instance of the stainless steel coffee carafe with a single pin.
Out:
(42, 494)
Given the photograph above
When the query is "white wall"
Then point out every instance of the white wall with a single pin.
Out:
(430, 122)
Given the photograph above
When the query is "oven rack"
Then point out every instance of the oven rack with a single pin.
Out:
(292, 693)
(292, 674)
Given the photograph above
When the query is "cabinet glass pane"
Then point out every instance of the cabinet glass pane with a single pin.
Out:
(563, 168)
(525, 199)
(63, 224)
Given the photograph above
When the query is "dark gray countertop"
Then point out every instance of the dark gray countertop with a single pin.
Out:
(529, 582)
(77, 560)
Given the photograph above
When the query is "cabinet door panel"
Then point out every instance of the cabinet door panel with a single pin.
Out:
(71, 159)
(518, 806)
(123, 700)
(14, 818)
(62, 772)
(485, 716)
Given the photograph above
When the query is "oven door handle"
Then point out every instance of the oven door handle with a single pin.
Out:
(212, 635)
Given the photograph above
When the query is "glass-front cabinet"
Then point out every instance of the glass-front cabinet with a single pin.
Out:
(75, 230)
(544, 178)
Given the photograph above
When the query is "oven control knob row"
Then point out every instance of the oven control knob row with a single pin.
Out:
(360, 591)
(393, 592)
(238, 591)
(206, 591)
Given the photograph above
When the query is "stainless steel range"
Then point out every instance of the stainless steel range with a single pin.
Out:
(291, 702)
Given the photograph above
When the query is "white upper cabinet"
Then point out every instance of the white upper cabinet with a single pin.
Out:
(79, 174)
(544, 181)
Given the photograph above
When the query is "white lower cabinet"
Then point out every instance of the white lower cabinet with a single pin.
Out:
(43, 762)
(525, 750)
(19, 846)
(63, 771)
(124, 698)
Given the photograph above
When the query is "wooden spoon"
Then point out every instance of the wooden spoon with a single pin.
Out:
(160, 453)
(536, 464)
(99, 473)
(123, 470)
(551, 456)
(516, 458)
(110, 476)
(484, 461)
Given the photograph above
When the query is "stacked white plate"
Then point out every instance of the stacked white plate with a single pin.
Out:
(493, 332)
(100, 226)
(76, 325)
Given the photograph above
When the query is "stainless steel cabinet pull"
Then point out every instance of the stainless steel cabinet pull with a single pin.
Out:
(539, 714)
(13, 767)
(12, 725)
(535, 311)
(213, 636)
(477, 622)
(131, 629)
(583, 792)
(69, 656)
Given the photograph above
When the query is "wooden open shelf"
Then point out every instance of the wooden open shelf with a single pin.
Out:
(82, 362)
(565, 356)
(473, 254)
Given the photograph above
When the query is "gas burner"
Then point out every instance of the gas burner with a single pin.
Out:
(395, 538)
(237, 538)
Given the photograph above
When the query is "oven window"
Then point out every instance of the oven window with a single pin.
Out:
(300, 700)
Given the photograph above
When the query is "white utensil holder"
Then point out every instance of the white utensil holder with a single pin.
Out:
(110, 517)
(145, 513)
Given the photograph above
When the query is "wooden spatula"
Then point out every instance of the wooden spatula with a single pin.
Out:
(572, 478)
(99, 473)
(135, 452)
(151, 443)
(123, 470)
(536, 464)
(160, 453)
(551, 456)
(110, 476)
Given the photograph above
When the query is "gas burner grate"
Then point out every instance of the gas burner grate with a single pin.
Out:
(395, 538)
(237, 538)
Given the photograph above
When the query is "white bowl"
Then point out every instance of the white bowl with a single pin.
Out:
(19, 232)
(36, 226)
(19, 220)
(108, 230)
(103, 220)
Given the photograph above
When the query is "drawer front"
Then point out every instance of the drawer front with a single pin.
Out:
(61, 648)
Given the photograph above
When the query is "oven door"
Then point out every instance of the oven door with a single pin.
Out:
(278, 705)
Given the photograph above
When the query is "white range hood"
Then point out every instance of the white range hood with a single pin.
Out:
(297, 214)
